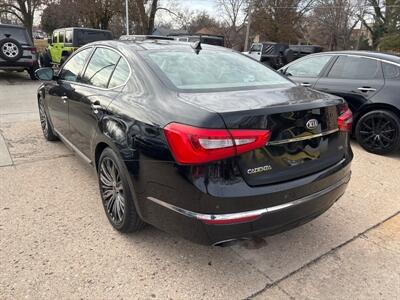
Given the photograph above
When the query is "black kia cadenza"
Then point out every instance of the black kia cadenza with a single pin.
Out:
(198, 140)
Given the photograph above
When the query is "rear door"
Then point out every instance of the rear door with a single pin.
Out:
(307, 70)
(105, 74)
(354, 78)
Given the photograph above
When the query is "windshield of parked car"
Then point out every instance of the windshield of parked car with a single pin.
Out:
(213, 69)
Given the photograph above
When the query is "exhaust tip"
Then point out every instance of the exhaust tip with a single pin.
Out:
(229, 243)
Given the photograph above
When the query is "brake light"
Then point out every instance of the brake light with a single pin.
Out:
(33, 50)
(193, 145)
(345, 119)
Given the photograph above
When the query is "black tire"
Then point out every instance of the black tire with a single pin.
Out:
(47, 128)
(10, 49)
(32, 71)
(114, 190)
(44, 60)
(378, 132)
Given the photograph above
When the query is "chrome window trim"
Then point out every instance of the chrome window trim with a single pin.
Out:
(342, 54)
(87, 63)
(302, 138)
(257, 212)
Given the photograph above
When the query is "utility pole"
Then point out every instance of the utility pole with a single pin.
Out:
(246, 42)
(127, 17)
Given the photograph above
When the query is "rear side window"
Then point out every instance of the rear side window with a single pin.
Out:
(18, 34)
(74, 66)
(308, 67)
(120, 75)
(100, 67)
(391, 71)
(352, 67)
(68, 37)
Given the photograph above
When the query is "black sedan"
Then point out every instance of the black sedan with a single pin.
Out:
(197, 140)
(368, 81)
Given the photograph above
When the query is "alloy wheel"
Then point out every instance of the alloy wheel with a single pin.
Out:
(10, 50)
(112, 190)
(378, 132)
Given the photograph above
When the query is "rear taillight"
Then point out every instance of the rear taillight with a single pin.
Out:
(33, 50)
(193, 145)
(345, 119)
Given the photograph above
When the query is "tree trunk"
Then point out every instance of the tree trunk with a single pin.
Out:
(152, 16)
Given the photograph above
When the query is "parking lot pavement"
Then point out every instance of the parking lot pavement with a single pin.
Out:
(55, 240)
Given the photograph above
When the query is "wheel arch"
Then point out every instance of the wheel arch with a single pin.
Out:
(98, 150)
(375, 106)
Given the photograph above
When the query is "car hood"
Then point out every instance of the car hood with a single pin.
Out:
(244, 100)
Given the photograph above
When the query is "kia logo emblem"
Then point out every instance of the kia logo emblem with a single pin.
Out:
(312, 124)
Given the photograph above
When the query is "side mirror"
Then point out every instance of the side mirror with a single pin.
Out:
(49, 41)
(45, 74)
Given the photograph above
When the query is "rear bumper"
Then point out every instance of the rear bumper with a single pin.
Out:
(17, 65)
(269, 220)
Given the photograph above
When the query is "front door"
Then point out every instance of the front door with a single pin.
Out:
(306, 71)
(64, 90)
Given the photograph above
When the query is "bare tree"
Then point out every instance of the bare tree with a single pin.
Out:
(23, 10)
(333, 21)
(386, 19)
(280, 20)
(234, 14)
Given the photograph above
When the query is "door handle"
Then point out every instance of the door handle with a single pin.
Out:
(306, 84)
(366, 89)
(64, 99)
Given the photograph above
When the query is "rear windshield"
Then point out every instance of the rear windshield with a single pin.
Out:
(210, 69)
(18, 34)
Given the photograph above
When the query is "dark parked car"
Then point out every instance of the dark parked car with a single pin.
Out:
(368, 81)
(17, 52)
(198, 140)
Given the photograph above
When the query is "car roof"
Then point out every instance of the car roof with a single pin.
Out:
(12, 26)
(154, 45)
(371, 54)
(81, 28)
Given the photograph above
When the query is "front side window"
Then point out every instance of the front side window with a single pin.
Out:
(353, 67)
(212, 69)
(256, 48)
(308, 67)
(101, 67)
(74, 66)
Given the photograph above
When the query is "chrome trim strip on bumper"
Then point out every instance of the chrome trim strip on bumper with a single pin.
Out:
(250, 213)
(302, 138)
